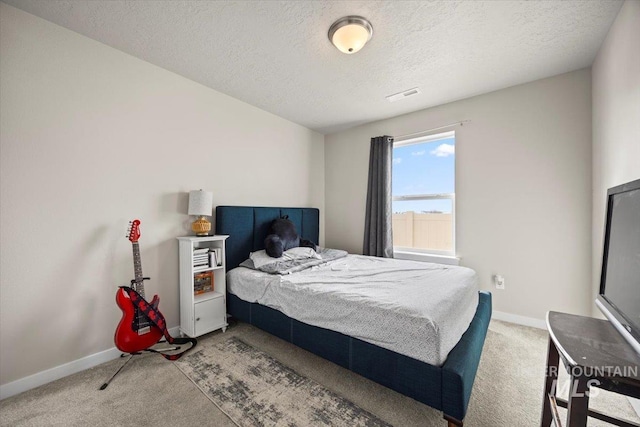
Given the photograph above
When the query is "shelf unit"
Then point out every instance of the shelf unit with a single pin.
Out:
(206, 312)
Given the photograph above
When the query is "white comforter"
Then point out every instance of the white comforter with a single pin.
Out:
(413, 308)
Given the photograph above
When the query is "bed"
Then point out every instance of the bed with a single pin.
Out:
(443, 384)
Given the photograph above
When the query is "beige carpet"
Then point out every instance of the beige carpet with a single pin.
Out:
(151, 391)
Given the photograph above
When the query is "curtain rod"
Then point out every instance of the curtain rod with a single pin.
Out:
(407, 136)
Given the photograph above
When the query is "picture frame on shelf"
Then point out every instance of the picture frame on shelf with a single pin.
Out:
(203, 282)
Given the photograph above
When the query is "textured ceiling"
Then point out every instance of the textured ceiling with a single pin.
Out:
(275, 55)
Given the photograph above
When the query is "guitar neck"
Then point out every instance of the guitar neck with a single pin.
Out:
(137, 267)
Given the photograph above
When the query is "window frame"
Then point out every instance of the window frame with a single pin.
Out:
(432, 255)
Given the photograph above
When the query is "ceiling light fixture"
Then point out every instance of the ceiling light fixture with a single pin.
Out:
(350, 34)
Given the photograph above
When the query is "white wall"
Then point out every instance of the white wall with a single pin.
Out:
(92, 138)
(616, 119)
(523, 189)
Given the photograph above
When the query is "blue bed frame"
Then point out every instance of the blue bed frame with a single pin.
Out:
(446, 388)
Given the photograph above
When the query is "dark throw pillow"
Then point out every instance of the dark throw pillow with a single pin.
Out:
(282, 237)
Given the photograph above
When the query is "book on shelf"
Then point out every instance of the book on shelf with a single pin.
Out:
(212, 258)
(201, 260)
(200, 251)
(218, 257)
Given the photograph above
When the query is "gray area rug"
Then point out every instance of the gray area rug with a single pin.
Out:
(254, 389)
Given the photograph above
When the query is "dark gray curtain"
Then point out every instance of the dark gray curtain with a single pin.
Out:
(378, 237)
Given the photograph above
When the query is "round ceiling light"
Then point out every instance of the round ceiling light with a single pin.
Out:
(350, 34)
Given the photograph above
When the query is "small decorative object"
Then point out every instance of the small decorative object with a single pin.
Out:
(201, 204)
(283, 236)
(203, 282)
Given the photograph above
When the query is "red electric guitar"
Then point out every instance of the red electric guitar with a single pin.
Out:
(134, 332)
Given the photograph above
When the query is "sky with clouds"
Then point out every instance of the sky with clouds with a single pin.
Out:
(427, 168)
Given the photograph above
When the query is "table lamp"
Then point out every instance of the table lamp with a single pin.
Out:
(201, 204)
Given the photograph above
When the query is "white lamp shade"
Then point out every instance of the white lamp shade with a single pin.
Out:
(200, 203)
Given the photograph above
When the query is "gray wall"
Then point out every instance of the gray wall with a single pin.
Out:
(92, 138)
(616, 119)
(523, 189)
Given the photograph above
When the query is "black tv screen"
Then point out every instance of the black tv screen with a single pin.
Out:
(619, 297)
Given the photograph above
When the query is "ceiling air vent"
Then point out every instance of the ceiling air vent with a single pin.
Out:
(402, 95)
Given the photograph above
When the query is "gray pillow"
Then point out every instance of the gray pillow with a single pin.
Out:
(294, 263)
(261, 258)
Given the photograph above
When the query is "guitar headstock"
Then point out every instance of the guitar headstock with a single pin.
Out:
(134, 230)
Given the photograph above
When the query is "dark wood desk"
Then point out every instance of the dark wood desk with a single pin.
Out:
(595, 355)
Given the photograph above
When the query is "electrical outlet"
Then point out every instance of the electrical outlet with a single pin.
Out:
(499, 281)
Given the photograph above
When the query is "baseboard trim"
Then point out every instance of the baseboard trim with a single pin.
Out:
(519, 320)
(45, 377)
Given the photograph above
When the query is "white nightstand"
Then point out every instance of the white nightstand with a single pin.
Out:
(202, 310)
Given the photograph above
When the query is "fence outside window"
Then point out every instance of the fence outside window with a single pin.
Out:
(425, 231)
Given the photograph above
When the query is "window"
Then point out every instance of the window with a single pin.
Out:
(423, 190)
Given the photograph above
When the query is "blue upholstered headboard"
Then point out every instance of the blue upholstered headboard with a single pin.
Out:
(247, 227)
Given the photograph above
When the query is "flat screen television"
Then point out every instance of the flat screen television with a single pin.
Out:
(619, 296)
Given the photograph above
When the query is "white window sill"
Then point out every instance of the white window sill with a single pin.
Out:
(418, 256)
